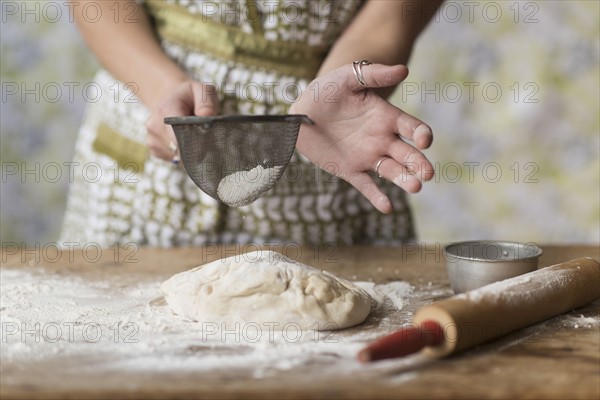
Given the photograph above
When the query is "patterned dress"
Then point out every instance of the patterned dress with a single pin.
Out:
(260, 55)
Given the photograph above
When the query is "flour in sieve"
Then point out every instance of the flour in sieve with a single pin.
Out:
(243, 187)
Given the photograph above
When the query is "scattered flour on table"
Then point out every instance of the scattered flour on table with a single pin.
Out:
(124, 327)
(395, 292)
(243, 187)
(580, 321)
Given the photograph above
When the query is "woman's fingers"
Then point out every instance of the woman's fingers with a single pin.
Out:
(400, 175)
(161, 138)
(375, 76)
(158, 137)
(363, 128)
(381, 76)
(206, 99)
(409, 127)
(365, 184)
(190, 98)
(412, 159)
(414, 129)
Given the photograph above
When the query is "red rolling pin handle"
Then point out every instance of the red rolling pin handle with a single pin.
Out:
(403, 342)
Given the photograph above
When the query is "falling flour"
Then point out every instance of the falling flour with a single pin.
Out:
(243, 187)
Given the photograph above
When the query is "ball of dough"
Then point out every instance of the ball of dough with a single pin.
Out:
(267, 289)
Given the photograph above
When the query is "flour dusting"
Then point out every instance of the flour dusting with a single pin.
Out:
(521, 289)
(394, 293)
(120, 328)
(126, 328)
(581, 321)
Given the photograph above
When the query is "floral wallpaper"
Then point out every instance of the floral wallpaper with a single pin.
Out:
(44, 67)
(517, 151)
(511, 89)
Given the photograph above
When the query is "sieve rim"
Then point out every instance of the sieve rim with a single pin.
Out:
(194, 120)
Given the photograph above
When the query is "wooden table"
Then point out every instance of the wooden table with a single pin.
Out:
(557, 362)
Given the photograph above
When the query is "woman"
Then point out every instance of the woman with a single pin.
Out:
(177, 58)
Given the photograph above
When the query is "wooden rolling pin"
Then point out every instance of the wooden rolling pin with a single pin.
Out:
(478, 316)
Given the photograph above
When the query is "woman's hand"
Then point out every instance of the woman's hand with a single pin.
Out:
(188, 98)
(355, 128)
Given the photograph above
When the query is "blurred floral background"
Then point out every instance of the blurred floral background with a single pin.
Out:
(511, 89)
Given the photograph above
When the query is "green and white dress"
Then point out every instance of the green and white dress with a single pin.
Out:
(260, 55)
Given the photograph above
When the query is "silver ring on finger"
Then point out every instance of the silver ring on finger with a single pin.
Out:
(175, 150)
(357, 68)
(381, 160)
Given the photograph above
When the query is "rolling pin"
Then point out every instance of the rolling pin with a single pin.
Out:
(478, 316)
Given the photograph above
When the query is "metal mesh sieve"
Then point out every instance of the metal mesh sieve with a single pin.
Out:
(236, 149)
